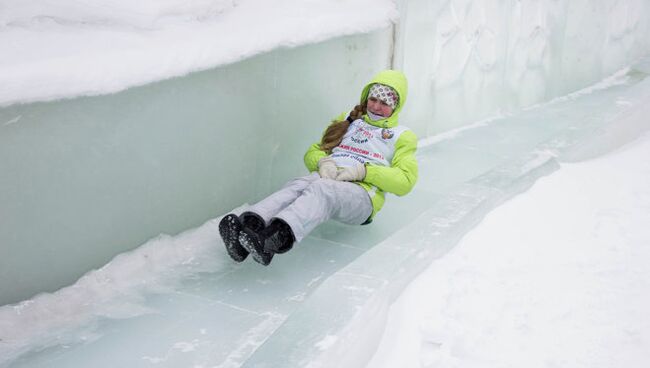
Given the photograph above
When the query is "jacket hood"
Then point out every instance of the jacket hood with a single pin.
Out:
(396, 80)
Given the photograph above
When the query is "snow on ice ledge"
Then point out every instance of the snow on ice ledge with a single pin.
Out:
(54, 50)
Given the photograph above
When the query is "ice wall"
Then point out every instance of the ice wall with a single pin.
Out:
(82, 180)
(468, 60)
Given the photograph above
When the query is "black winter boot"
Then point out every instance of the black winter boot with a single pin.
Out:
(252, 221)
(230, 228)
(278, 237)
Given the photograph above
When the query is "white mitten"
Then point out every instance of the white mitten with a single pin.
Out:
(352, 173)
(327, 168)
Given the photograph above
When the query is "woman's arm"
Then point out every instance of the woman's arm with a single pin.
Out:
(313, 155)
(401, 176)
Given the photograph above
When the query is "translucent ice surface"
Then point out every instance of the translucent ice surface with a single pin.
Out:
(178, 301)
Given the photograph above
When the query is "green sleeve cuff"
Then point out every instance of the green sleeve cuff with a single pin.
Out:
(312, 156)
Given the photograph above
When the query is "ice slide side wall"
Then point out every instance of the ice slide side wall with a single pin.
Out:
(84, 179)
(471, 59)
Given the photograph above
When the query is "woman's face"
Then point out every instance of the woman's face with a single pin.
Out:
(379, 107)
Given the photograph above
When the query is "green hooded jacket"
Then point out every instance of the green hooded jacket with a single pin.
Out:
(400, 177)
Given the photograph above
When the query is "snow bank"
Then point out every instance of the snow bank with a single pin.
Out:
(555, 277)
(144, 14)
(62, 49)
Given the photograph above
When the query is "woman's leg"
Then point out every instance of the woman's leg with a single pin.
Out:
(268, 207)
(321, 200)
(326, 199)
(257, 216)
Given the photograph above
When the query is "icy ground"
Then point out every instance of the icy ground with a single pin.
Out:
(178, 301)
(556, 277)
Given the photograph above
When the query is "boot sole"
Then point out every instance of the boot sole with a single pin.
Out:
(229, 228)
(252, 244)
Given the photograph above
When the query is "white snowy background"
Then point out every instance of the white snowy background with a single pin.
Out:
(556, 277)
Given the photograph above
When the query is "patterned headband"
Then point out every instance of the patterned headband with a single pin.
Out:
(384, 93)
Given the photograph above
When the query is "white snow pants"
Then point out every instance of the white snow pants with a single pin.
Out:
(308, 201)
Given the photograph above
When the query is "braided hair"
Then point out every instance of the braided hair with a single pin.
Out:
(335, 132)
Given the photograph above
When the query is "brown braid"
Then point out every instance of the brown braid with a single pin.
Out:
(335, 132)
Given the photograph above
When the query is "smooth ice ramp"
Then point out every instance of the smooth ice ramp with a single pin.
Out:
(180, 302)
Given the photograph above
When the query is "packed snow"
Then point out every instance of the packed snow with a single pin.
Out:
(556, 277)
(63, 49)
